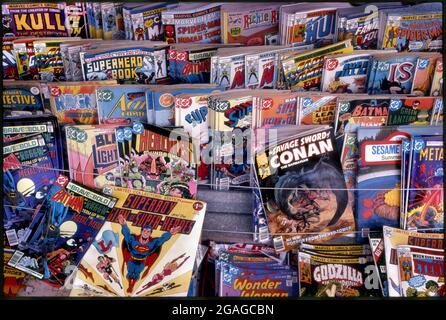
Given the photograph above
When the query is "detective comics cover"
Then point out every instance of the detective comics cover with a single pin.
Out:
(334, 277)
(317, 109)
(413, 110)
(22, 99)
(147, 247)
(425, 205)
(293, 199)
(393, 238)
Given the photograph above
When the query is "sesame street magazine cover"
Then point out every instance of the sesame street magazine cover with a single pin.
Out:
(147, 247)
(421, 271)
(294, 162)
(393, 238)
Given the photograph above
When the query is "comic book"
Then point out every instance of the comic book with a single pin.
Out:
(424, 72)
(22, 98)
(437, 80)
(71, 55)
(346, 73)
(336, 277)
(303, 71)
(9, 58)
(38, 19)
(379, 164)
(13, 279)
(249, 24)
(421, 271)
(143, 64)
(273, 109)
(437, 117)
(316, 108)
(168, 227)
(75, 102)
(127, 10)
(393, 238)
(112, 20)
(413, 110)
(146, 21)
(97, 20)
(121, 104)
(192, 22)
(406, 146)
(76, 19)
(26, 60)
(425, 191)
(91, 24)
(293, 160)
(7, 22)
(376, 241)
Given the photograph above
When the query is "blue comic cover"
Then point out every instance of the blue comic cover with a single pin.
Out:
(22, 99)
(425, 194)
(121, 104)
(379, 173)
(392, 75)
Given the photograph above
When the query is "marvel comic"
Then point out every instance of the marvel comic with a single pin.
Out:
(437, 80)
(146, 21)
(127, 10)
(393, 238)
(76, 19)
(336, 277)
(293, 162)
(421, 271)
(38, 19)
(22, 98)
(7, 22)
(413, 110)
(316, 108)
(112, 20)
(425, 193)
(91, 23)
(169, 227)
(98, 22)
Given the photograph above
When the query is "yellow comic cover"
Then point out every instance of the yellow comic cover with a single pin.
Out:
(146, 248)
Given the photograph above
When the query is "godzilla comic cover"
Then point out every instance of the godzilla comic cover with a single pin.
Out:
(295, 199)
(147, 247)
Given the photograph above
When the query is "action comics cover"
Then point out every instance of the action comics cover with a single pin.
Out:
(192, 22)
(332, 277)
(112, 20)
(303, 71)
(345, 73)
(247, 23)
(141, 64)
(376, 241)
(412, 30)
(437, 80)
(9, 58)
(393, 238)
(26, 60)
(121, 104)
(379, 164)
(316, 109)
(423, 77)
(76, 19)
(146, 22)
(147, 247)
(38, 19)
(273, 109)
(425, 205)
(294, 162)
(411, 110)
(22, 98)
(421, 271)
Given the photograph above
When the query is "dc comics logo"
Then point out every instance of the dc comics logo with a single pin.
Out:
(395, 105)
(183, 103)
(405, 146)
(62, 181)
(197, 206)
(55, 91)
(81, 136)
(343, 107)
(331, 64)
(138, 128)
(351, 140)
(267, 103)
(306, 102)
(128, 133)
(119, 135)
(172, 54)
(418, 145)
(181, 56)
(422, 63)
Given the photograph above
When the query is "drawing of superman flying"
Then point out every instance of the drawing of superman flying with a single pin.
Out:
(141, 251)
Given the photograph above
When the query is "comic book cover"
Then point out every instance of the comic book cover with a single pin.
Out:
(437, 80)
(98, 22)
(275, 110)
(424, 71)
(26, 60)
(49, 60)
(393, 238)
(345, 73)
(72, 51)
(392, 74)
(193, 66)
(38, 19)
(294, 162)
(425, 205)
(76, 19)
(9, 58)
(406, 146)
(146, 22)
(168, 227)
(377, 245)
(412, 31)
(127, 10)
(142, 64)
(334, 277)
(303, 71)
(421, 271)
(7, 22)
(21, 99)
(13, 279)
(317, 109)
(121, 104)
(316, 27)
(75, 103)
(193, 22)
(248, 24)
(379, 164)
(413, 110)
(91, 23)
(112, 21)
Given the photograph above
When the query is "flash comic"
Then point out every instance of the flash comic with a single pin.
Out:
(169, 227)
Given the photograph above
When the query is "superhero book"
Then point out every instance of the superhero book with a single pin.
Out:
(147, 247)
(295, 201)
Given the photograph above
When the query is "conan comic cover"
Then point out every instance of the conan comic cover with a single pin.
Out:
(421, 271)
(425, 194)
(295, 200)
(393, 238)
(146, 247)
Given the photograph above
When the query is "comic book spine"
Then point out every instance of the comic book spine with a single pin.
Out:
(437, 80)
